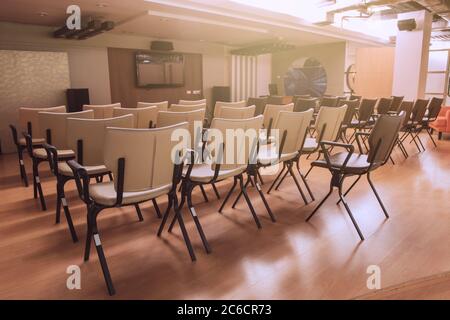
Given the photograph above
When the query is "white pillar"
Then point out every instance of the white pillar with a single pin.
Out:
(411, 57)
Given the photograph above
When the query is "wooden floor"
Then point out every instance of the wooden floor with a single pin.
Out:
(290, 259)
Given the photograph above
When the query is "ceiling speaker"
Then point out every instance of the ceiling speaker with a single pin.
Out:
(161, 46)
(407, 25)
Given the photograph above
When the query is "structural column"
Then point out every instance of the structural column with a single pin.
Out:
(411, 56)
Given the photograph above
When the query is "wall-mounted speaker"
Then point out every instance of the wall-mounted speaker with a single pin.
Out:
(407, 25)
(161, 46)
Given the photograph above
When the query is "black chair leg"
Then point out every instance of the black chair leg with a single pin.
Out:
(282, 180)
(183, 230)
(38, 186)
(377, 196)
(297, 184)
(204, 193)
(155, 205)
(260, 177)
(215, 190)
(228, 195)
(350, 189)
(431, 137)
(180, 207)
(23, 173)
(139, 213)
(310, 169)
(58, 206)
(347, 208)
(63, 201)
(276, 179)
(196, 220)
(101, 254)
(320, 204)
(166, 215)
(240, 193)
(87, 247)
(305, 182)
(247, 199)
(263, 198)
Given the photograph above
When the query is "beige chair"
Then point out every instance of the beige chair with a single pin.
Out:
(162, 106)
(187, 107)
(143, 169)
(29, 123)
(272, 111)
(259, 103)
(105, 111)
(347, 163)
(192, 102)
(52, 125)
(222, 166)
(219, 105)
(86, 137)
(293, 128)
(328, 128)
(236, 113)
(144, 118)
(193, 118)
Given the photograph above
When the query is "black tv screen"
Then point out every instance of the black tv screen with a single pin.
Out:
(159, 69)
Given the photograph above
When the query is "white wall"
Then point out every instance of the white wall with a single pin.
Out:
(264, 74)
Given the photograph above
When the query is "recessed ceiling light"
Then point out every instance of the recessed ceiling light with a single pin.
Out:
(43, 14)
(102, 5)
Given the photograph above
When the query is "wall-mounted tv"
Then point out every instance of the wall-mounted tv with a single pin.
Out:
(159, 69)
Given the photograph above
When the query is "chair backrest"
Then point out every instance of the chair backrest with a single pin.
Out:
(384, 105)
(191, 102)
(144, 118)
(272, 111)
(31, 116)
(296, 125)
(300, 96)
(419, 109)
(102, 111)
(162, 106)
(329, 101)
(236, 113)
(434, 108)
(193, 118)
(56, 124)
(331, 119)
(366, 109)
(92, 134)
(304, 104)
(187, 107)
(396, 102)
(242, 146)
(383, 137)
(259, 103)
(147, 154)
(406, 107)
(352, 105)
(274, 99)
(220, 104)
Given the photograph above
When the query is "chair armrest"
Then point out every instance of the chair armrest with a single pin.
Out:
(52, 157)
(81, 179)
(349, 147)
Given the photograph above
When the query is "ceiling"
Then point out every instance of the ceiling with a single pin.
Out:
(216, 21)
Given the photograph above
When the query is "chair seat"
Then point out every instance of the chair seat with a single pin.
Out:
(356, 164)
(63, 154)
(35, 142)
(203, 173)
(356, 123)
(310, 145)
(65, 170)
(105, 194)
(269, 156)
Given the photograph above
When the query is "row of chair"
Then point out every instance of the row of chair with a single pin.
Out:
(140, 168)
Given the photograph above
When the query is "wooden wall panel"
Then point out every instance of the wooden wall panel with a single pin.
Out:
(374, 71)
(122, 73)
